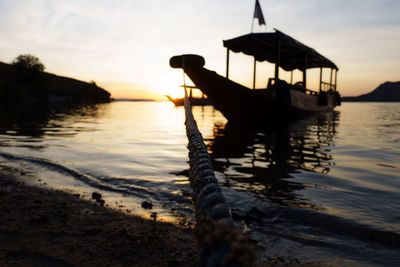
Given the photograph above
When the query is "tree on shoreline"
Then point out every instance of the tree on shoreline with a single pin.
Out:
(28, 62)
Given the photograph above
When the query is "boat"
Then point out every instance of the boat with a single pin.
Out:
(194, 101)
(280, 99)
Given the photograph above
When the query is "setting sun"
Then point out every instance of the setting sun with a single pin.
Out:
(168, 84)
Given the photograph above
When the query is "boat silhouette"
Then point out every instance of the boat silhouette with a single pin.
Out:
(281, 99)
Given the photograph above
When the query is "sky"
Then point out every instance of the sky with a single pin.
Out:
(125, 46)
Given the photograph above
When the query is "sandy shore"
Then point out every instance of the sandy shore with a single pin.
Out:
(41, 227)
(46, 228)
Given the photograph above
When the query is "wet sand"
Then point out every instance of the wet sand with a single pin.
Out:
(43, 227)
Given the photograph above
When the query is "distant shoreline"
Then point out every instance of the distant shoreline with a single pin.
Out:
(386, 92)
(133, 100)
(27, 85)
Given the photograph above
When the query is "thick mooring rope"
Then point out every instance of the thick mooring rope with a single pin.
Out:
(221, 244)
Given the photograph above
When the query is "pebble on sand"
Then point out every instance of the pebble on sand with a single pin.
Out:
(147, 205)
(97, 196)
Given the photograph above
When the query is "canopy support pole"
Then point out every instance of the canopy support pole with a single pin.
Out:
(305, 72)
(276, 71)
(336, 79)
(320, 79)
(278, 60)
(291, 77)
(330, 80)
(227, 63)
(254, 73)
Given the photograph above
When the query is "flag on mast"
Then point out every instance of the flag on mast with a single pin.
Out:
(258, 14)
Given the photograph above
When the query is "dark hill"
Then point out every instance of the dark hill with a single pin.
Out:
(18, 84)
(386, 92)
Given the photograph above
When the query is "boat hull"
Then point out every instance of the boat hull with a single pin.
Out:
(239, 103)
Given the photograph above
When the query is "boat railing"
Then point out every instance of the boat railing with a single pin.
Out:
(327, 87)
(298, 86)
(311, 92)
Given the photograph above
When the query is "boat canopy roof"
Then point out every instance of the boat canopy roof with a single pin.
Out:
(267, 47)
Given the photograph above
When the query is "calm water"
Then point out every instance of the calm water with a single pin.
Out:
(322, 188)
